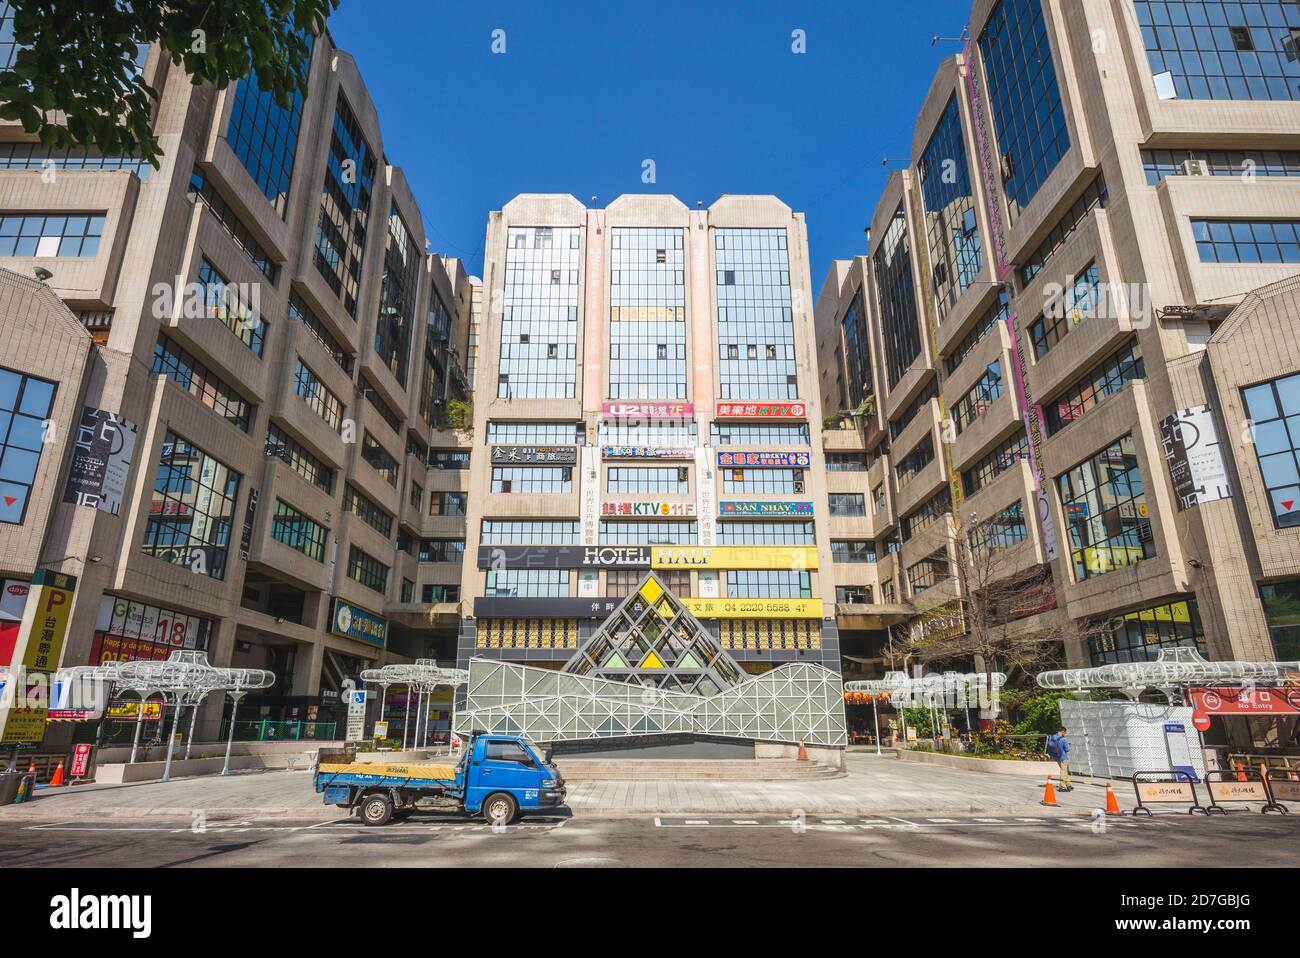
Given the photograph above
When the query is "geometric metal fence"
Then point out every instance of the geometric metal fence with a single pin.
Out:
(790, 704)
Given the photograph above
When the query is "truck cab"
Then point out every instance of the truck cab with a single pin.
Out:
(502, 767)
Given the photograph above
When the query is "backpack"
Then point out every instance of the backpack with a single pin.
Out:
(1054, 747)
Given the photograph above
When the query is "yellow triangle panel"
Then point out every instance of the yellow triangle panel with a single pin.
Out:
(651, 591)
(651, 661)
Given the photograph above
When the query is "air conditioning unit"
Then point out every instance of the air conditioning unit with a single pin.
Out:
(1196, 168)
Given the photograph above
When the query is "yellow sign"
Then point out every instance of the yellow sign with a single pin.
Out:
(38, 649)
(800, 558)
(754, 608)
(131, 710)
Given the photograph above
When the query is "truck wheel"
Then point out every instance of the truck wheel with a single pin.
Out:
(376, 809)
(500, 808)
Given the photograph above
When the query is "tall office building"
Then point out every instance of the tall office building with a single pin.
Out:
(221, 408)
(646, 398)
(1078, 317)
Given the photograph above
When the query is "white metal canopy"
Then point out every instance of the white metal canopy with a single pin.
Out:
(1173, 668)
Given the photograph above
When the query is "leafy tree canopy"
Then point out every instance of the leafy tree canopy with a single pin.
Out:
(75, 80)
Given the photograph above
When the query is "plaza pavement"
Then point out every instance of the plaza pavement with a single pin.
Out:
(871, 786)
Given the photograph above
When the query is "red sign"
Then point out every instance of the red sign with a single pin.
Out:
(80, 761)
(762, 410)
(1200, 721)
(1247, 701)
(117, 648)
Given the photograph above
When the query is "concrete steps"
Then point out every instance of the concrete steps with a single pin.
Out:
(698, 770)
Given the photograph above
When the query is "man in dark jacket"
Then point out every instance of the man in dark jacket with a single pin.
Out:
(1058, 749)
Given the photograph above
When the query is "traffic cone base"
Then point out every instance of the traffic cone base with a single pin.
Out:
(1241, 773)
(1049, 794)
(57, 780)
(1112, 804)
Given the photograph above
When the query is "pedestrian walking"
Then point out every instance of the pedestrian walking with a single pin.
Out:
(1058, 750)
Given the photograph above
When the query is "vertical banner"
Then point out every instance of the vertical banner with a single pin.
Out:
(705, 495)
(1194, 458)
(38, 649)
(589, 505)
(246, 533)
(101, 460)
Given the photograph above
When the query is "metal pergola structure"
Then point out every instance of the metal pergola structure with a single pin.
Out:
(928, 690)
(1173, 669)
(423, 676)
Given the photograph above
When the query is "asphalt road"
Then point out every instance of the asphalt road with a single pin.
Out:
(434, 840)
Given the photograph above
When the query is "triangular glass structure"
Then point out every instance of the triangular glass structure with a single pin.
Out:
(670, 648)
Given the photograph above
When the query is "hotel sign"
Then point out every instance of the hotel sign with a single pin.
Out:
(754, 608)
(648, 410)
(564, 557)
(733, 557)
(527, 608)
(535, 455)
(765, 508)
(765, 410)
(661, 510)
(774, 460)
(647, 452)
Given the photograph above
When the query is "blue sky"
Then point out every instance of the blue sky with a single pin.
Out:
(586, 91)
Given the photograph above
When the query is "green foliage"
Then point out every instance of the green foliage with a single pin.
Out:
(458, 415)
(1041, 713)
(75, 82)
(921, 720)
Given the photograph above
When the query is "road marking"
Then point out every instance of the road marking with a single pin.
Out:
(832, 821)
(696, 821)
(942, 821)
(744, 821)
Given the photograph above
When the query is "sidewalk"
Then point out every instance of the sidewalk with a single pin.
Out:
(872, 786)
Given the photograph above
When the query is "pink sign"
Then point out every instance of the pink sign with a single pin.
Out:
(648, 410)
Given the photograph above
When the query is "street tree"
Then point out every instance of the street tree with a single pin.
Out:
(76, 78)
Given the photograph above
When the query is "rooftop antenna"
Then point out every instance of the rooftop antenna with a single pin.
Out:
(965, 35)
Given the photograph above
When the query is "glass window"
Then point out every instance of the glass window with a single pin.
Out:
(665, 480)
(1106, 511)
(1274, 411)
(447, 503)
(280, 445)
(264, 135)
(532, 583)
(995, 314)
(345, 207)
(192, 508)
(647, 314)
(367, 511)
(1108, 378)
(987, 390)
(1080, 300)
(397, 295)
(620, 583)
(507, 752)
(753, 532)
(455, 459)
(1217, 50)
(1243, 241)
(846, 462)
(178, 365)
(50, 234)
(769, 584)
(763, 481)
(523, 532)
(297, 531)
(1282, 608)
(25, 406)
(1093, 197)
(755, 320)
(854, 594)
(442, 550)
(431, 594)
(1001, 531)
(539, 324)
(228, 305)
(916, 460)
(319, 399)
(898, 312)
(300, 311)
(34, 156)
(536, 433)
(995, 463)
(647, 533)
(929, 572)
(1160, 164)
(1025, 101)
(847, 504)
(379, 459)
(757, 434)
(532, 479)
(846, 550)
(857, 353)
(1141, 636)
(926, 514)
(367, 570)
(956, 253)
(203, 191)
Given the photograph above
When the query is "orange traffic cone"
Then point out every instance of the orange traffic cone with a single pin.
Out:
(803, 752)
(31, 770)
(1293, 776)
(57, 780)
(1112, 805)
(1241, 774)
(1049, 794)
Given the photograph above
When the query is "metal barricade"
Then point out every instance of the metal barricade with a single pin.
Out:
(1240, 785)
(1166, 787)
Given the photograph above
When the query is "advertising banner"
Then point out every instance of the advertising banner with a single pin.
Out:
(730, 508)
(101, 459)
(703, 608)
(356, 623)
(563, 608)
(771, 460)
(647, 452)
(647, 410)
(765, 410)
(1193, 457)
(534, 455)
(734, 557)
(37, 649)
(649, 510)
(564, 557)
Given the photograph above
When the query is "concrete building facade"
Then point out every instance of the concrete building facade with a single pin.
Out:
(256, 341)
(1080, 305)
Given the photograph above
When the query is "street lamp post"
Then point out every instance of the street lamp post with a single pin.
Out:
(235, 695)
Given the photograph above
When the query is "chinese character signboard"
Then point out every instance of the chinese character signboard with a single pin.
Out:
(356, 623)
(647, 410)
(534, 455)
(762, 410)
(101, 459)
(636, 509)
(38, 649)
(1259, 700)
(771, 460)
(647, 452)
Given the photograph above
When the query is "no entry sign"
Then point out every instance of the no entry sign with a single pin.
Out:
(1247, 701)
(1201, 721)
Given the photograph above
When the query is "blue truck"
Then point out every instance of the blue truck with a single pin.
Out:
(500, 776)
